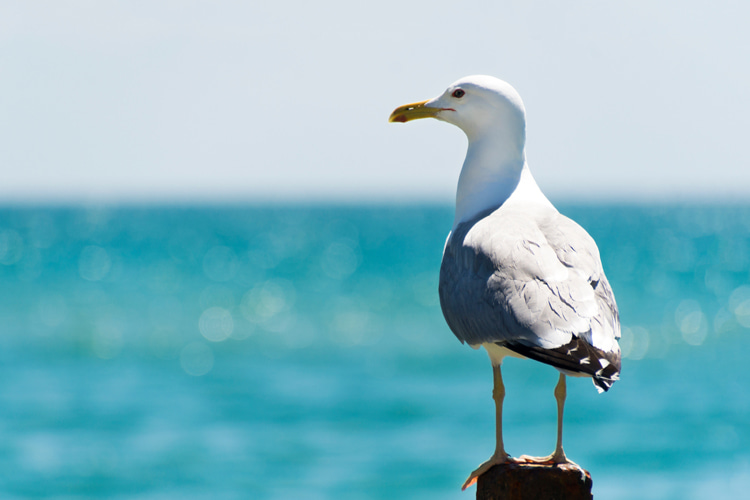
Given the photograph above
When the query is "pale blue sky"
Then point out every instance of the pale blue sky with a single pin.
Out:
(249, 101)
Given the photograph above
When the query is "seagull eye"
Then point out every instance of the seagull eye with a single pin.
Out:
(458, 93)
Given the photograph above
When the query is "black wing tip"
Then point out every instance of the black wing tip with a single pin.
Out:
(604, 384)
(562, 358)
(607, 376)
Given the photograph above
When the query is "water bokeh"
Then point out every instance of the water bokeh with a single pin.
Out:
(300, 352)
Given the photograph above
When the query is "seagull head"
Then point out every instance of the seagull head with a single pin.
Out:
(479, 105)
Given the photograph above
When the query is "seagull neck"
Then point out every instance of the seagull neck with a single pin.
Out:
(491, 173)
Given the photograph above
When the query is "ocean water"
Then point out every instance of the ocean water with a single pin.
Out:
(300, 352)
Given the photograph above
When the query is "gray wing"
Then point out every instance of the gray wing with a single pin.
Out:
(532, 282)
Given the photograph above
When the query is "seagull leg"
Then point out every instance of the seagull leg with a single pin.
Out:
(561, 392)
(500, 456)
(558, 457)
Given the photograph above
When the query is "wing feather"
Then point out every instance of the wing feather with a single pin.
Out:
(532, 280)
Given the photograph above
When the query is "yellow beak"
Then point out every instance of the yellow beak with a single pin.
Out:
(413, 111)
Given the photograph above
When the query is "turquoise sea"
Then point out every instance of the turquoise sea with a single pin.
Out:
(287, 352)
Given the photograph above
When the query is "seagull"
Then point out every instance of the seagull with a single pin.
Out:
(517, 277)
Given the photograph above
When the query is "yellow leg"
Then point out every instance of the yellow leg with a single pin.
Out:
(558, 457)
(561, 393)
(500, 456)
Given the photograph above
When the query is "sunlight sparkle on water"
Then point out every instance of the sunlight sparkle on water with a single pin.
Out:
(216, 324)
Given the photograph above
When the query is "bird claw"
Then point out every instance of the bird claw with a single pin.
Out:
(493, 461)
(554, 459)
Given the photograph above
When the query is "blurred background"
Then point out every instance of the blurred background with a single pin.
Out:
(219, 261)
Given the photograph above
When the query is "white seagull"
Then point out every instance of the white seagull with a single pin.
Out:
(517, 278)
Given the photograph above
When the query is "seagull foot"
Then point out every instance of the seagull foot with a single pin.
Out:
(494, 460)
(557, 458)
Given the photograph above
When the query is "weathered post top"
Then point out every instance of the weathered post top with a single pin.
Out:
(513, 481)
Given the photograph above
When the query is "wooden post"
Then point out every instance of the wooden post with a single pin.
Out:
(534, 482)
